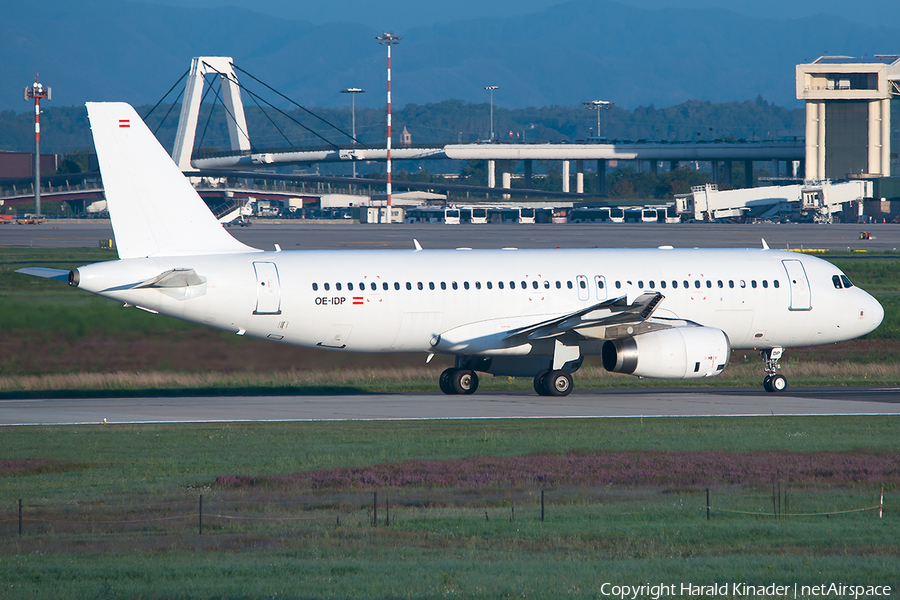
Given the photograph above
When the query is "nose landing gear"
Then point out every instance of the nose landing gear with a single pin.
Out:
(773, 382)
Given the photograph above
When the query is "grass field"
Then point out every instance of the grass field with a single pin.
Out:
(112, 511)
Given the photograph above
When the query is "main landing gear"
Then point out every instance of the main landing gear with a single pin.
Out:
(459, 381)
(553, 383)
(773, 381)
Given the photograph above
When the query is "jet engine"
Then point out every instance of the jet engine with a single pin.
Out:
(678, 353)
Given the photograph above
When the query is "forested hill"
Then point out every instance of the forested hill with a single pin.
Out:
(65, 129)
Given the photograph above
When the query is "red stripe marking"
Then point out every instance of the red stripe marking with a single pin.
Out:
(124, 123)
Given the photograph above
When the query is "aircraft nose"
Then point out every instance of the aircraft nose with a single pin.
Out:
(877, 312)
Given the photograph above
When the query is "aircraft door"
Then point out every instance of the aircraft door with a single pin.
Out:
(600, 286)
(800, 294)
(581, 282)
(268, 289)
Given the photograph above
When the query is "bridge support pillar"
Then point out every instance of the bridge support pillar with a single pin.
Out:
(528, 175)
(506, 177)
(726, 173)
(714, 164)
(654, 167)
(673, 164)
(579, 176)
(491, 174)
(748, 173)
(565, 176)
(601, 176)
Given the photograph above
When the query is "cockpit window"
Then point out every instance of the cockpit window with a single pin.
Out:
(836, 280)
(846, 281)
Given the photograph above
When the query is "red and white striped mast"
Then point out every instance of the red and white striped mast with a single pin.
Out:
(388, 39)
(37, 91)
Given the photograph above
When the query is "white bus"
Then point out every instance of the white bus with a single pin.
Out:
(526, 215)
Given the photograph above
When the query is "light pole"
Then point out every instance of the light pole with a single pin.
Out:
(491, 88)
(388, 39)
(37, 91)
(598, 105)
(353, 92)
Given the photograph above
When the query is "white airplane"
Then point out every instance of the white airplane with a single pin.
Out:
(662, 313)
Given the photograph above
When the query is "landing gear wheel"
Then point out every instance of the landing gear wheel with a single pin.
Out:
(767, 383)
(777, 383)
(559, 383)
(446, 381)
(540, 383)
(464, 381)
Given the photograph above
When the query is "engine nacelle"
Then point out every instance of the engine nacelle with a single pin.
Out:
(678, 353)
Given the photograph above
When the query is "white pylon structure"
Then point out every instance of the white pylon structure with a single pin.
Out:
(190, 108)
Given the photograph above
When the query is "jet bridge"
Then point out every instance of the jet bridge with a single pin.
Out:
(819, 199)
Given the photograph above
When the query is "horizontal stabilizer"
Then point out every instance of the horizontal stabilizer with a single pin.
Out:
(57, 274)
(153, 207)
(175, 278)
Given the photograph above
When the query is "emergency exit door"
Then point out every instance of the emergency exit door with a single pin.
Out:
(268, 289)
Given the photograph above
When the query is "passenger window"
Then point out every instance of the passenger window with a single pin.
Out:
(846, 281)
(408, 285)
(618, 285)
(582, 284)
(721, 284)
(315, 287)
(350, 287)
(775, 283)
(731, 283)
(443, 285)
(454, 285)
(524, 285)
(337, 286)
(662, 284)
(765, 283)
(753, 284)
(512, 285)
(500, 284)
(489, 285)
(396, 285)
(696, 283)
(600, 283)
(534, 284)
(674, 284)
(384, 286)
(546, 284)
(327, 287)
(686, 284)
(466, 284)
(652, 285)
(420, 286)
(640, 284)
(569, 284)
(374, 286)
(743, 283)
(708, 283)
(836, 280)
(477, 285)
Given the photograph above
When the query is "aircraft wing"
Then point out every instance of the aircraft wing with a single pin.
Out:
(616, 311)
(57, 274)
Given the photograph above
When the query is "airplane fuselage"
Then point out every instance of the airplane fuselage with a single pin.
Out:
(400, 301)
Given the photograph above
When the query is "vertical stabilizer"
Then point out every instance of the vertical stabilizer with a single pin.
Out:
(153, 207)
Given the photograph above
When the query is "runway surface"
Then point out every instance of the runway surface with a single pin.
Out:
(635, 402)
(307, 235)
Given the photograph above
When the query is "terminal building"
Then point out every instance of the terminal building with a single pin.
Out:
(852, 116)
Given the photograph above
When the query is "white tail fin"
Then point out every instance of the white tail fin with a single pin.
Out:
(153, 207)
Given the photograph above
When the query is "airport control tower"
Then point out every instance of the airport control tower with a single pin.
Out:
(853, 110)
